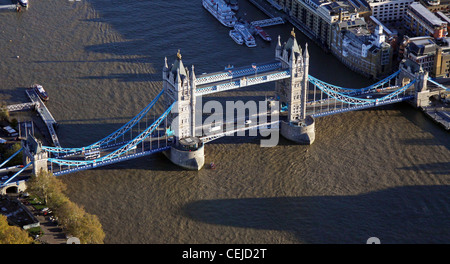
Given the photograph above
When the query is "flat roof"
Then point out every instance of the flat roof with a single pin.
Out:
(443, 16)
(427, 14)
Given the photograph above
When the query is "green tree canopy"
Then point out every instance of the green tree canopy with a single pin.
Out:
(12, 234)
(71, 217)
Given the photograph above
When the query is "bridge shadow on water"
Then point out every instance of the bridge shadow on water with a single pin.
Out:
(418, 118)
(17, 95)
(124, 60)
(409, 214)
(433, 168)
(126, 77)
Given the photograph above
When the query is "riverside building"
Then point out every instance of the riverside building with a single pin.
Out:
(316, 17)
(432, 55)
(389, 10)
(420, 21)
(361, 50)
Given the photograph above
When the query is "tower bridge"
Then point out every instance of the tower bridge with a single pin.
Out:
(298, 100)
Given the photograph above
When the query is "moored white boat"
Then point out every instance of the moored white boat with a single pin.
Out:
(236, 36)
(40, 91)
(234, 5)
(23, 3)
(220, 10)
(248, 37)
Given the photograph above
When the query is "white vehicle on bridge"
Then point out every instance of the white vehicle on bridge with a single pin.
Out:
(92, 155)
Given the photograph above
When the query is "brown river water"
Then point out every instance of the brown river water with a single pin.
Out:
(381, 172)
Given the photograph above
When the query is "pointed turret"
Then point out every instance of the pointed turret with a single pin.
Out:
(165, 69)
(278, 49)
(193, 74)
(306, 53)
(292, 44)
(178, 69)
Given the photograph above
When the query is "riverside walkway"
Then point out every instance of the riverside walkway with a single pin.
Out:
(45, 114)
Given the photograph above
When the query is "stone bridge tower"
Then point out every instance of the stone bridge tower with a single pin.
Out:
(293, 92)
(187, 150)
(177, 88)
(409, 72)
(33, 152)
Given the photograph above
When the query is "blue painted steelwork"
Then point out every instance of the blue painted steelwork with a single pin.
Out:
(10, 158)
(110, 161)
(15, 175)
(133, 143)
(353, 91)
(125, 128)
(355, 100)
(360, 107)
(438, 84)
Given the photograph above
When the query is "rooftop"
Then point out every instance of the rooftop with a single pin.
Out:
(427, 14)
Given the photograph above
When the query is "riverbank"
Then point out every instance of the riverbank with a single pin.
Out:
(272, 11)
(439, 114)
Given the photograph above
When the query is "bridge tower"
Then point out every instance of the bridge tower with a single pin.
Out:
(187, 150)
(293, 92)
(33, 152)
(410, 71)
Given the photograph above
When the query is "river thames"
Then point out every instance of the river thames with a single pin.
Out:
(383, 172)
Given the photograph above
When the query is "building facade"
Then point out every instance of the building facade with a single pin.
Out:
(436, 5)
(389, 10)
(420, 21)
(316, 17)
(432, 55)
(364, 52)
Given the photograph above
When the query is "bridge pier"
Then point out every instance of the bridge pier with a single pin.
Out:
(188, 153)
(300, 132)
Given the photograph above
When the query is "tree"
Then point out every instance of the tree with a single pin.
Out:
(4, 112)
(91, 231)
(78, 223)
(14, 123)
(12, 234)
(72, 218)
(46, 186)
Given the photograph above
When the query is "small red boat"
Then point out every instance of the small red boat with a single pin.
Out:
(40, 91)
(262, 33)
(212, 166)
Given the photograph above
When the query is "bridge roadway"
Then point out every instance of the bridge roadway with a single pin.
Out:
(6, 173)
(45, 114)
(147, 147)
